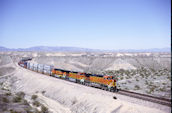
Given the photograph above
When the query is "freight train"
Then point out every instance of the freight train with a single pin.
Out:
(105, 82)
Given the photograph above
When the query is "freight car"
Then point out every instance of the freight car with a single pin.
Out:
(23, 64)
(104, 82)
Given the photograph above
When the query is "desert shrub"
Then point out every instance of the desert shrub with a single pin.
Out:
(4, 99)
(127, 72)
(25, 102)
(37, 111)
(1, 83)
(12, 111)
(164, 83)
(153, 70)
(43, 92)
(34, 97)
(142, 75)
(146, 82)
(137, 87)
(74, 101)
(28, 110)
(124, 83)
(150, 83)
(17, 99)
(169, 77)
(127, 77)
(3, 88)
(152, 89)
(148, 92)
(44, 109)
(121, 71)
(8, 94)
(162, 89)
(20, 94)
(36, 103)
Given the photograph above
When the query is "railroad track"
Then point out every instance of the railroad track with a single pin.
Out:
(159, 100)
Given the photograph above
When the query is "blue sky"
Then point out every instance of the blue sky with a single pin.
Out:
(96, 24)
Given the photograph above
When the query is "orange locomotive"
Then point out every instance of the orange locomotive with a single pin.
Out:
(101, 81)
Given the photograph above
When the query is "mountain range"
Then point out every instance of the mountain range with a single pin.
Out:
(77, 49)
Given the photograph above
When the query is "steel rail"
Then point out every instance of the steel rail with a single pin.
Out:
(159, 100)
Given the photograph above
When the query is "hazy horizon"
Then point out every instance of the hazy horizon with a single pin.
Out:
(154, 49)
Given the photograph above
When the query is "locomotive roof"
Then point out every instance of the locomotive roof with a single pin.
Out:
(61, 70)
(58, 69)
(98, 75)
(87, 74)
(26, 58)
(74, 72)
(65, 71)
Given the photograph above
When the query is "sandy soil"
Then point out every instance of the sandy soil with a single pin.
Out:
(121, 64)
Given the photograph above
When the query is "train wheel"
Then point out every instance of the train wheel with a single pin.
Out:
(117, 90)
(109, 89)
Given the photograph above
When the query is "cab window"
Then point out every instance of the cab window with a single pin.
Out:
(109, 78)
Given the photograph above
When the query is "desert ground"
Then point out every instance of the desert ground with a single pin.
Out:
(148, 73)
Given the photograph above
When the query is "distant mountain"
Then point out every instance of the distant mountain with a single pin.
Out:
(145, 50)
(3, 48)
(51, 49)
(59, 49)
(77, 49)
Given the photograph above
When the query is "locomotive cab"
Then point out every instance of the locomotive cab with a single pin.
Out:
(111, 83)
